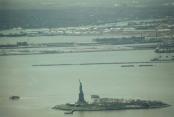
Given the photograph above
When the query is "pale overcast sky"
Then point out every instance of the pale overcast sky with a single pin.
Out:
(53, 4)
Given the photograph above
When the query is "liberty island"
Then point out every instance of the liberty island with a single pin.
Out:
(102, 104)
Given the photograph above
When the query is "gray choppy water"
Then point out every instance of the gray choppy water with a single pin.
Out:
(43, 87)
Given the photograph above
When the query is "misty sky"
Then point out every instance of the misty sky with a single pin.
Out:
(53, 4)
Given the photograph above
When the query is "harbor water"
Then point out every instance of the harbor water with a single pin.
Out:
(42, 87)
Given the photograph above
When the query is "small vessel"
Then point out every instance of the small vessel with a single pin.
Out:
(14, 97)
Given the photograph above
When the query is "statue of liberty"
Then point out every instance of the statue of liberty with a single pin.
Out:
(81, 99)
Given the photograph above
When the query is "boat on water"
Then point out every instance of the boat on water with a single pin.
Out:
(14, 97)
(103, 104)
